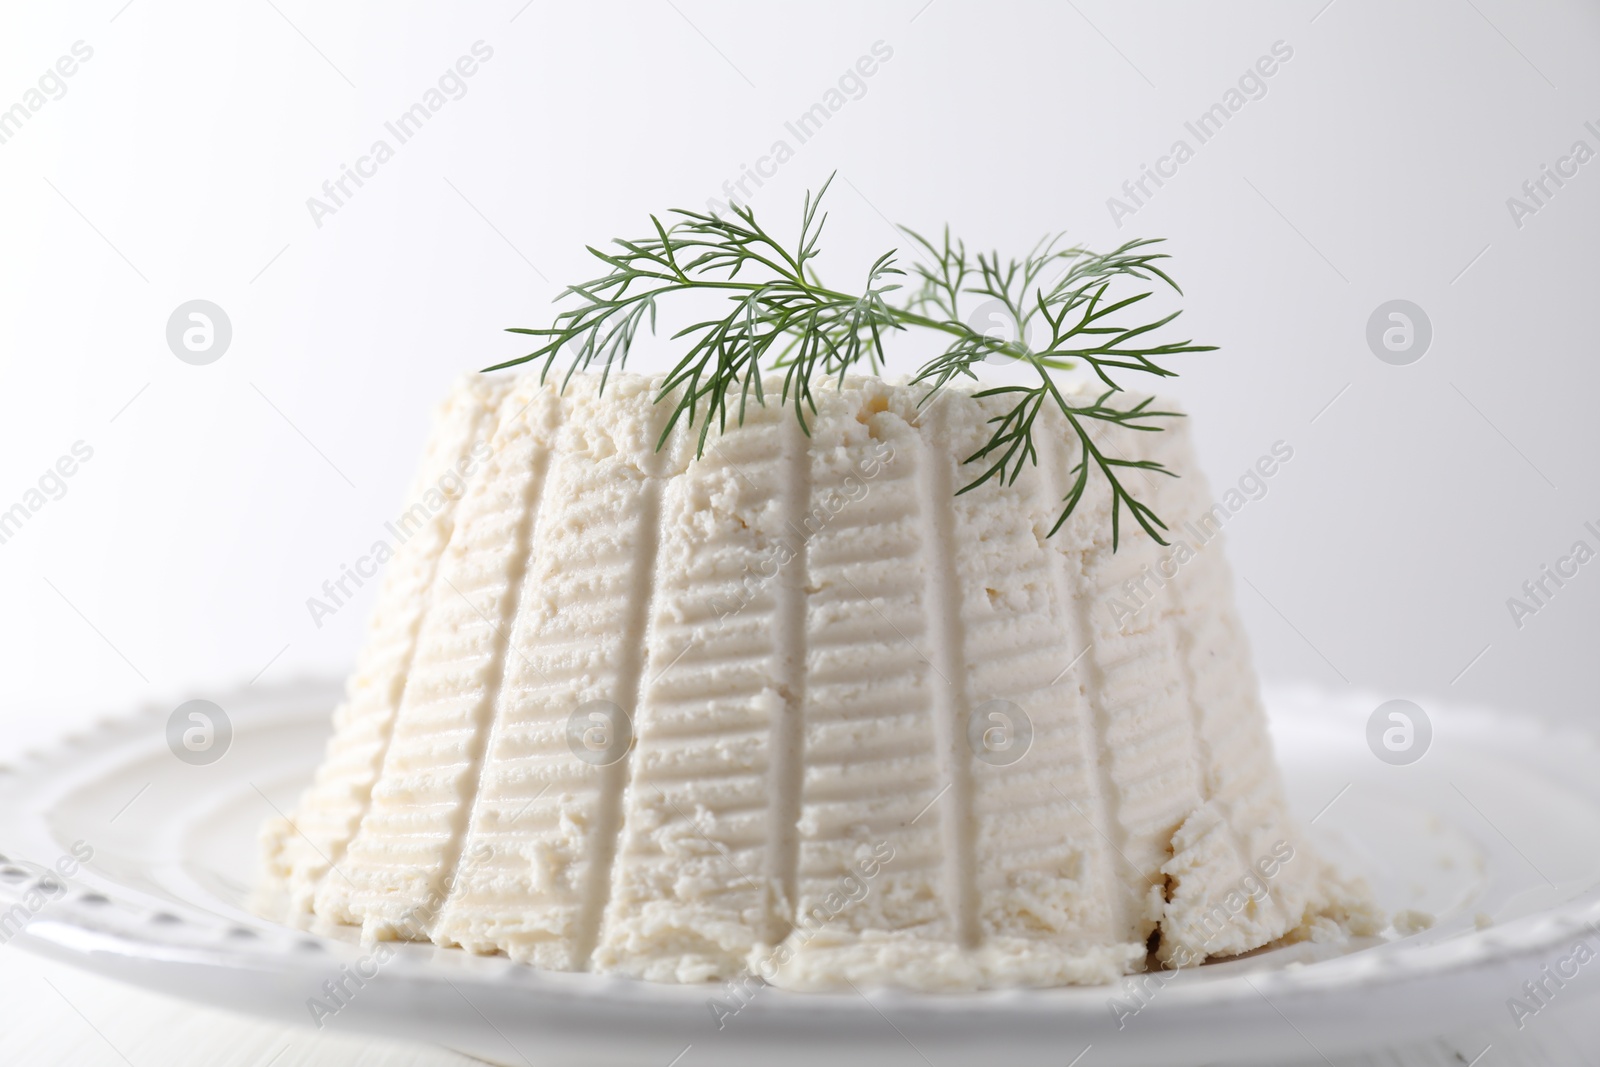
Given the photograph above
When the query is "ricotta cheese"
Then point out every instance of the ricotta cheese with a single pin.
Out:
(796, 709)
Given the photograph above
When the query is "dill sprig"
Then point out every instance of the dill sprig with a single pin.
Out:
(781, 316)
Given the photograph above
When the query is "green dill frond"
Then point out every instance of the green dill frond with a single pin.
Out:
(779, 316)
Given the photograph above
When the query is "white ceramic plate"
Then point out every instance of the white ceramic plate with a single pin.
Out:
(1498, 823)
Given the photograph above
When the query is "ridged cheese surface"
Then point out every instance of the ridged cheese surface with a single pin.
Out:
(795, 708)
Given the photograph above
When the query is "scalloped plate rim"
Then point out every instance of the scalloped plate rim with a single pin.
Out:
(1405, 991)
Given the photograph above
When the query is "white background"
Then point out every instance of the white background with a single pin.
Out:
(1377, 166)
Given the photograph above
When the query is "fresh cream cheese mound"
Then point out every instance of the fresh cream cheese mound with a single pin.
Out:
(796, 709)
